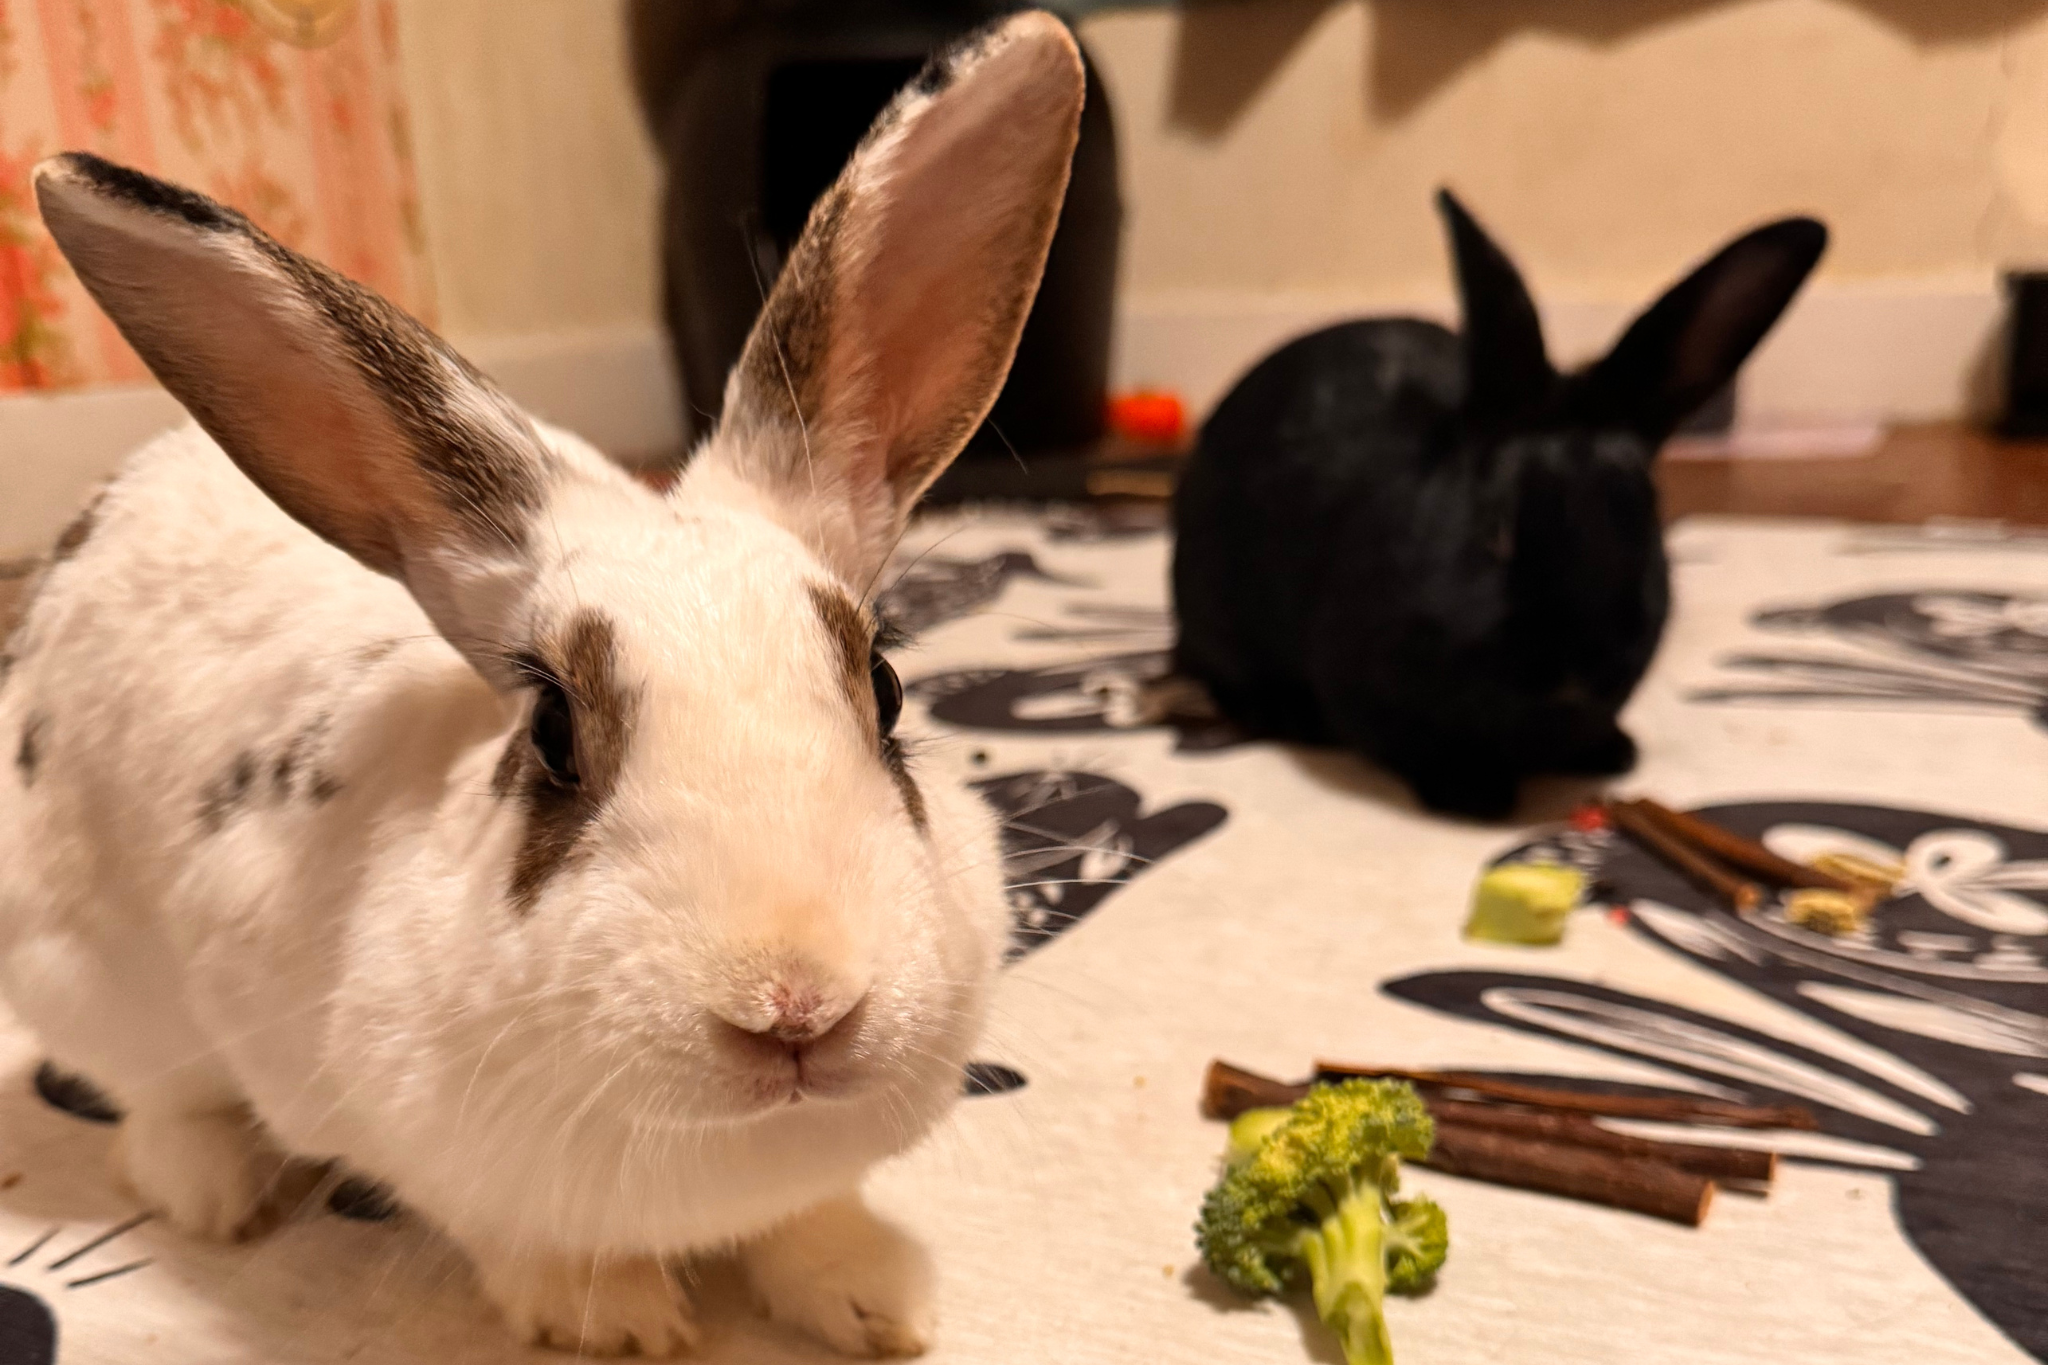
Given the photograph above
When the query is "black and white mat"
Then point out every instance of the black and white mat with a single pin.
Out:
(1180, 894)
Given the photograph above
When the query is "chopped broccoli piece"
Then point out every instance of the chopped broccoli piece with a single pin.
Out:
(1311, 1189)
(1249, 1131)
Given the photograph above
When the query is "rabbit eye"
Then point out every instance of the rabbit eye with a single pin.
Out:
(888, 693)
(554, 732)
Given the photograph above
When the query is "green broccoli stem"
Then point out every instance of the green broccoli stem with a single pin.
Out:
(1347, 1266)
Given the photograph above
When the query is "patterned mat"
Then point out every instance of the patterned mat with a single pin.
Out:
(1180, 894)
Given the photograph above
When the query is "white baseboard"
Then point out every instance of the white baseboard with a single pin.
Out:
(1911, 350)
(615, 386)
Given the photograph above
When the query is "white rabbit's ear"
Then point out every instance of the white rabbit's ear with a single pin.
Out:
(894, 321)
(351, 416)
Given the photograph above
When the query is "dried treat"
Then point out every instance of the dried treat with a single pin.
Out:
(1833, 913)
(1881, 877)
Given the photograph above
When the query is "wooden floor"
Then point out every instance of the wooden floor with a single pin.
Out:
(1917, 473)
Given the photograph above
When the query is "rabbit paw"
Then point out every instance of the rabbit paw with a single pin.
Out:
(848, 1278)
(614, 1306)
(213, 1175)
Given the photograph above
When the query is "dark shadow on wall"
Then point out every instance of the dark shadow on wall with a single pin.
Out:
(1227, 51)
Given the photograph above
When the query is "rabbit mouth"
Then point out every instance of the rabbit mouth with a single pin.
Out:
(799, 1076)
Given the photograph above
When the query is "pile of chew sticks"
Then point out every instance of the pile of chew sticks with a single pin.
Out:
(1508, 1132)
(1833, 895)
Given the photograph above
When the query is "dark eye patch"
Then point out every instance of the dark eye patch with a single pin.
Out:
(869, 675)
(563, 767)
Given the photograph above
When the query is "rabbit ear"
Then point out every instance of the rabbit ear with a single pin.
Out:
(1689, 343)
(894, 321)
(351, 416)
(1507, 370)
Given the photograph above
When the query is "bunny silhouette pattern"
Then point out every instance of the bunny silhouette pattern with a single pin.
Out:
(1950, 984)
(1438, 551)
(1949, 649)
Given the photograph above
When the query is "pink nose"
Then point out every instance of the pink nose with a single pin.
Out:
(790, 1011)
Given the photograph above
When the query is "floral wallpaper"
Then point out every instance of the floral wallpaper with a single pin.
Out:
(289, 110)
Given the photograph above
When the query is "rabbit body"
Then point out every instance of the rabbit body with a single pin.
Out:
(292, 892)
(1433, 549)
(563, 872)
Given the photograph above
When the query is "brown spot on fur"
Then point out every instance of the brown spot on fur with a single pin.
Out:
(906, 785)
(785, 360)
(512, 766)
(227, 793)
(28, 755)
(376, 652)
(294, 756)
(582, 660)
(17, 590)
(79, 531)
(852, 635)
(853, 632)
(488, 473)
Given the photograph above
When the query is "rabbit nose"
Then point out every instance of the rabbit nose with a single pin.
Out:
(793, 1011)
(799, 1016)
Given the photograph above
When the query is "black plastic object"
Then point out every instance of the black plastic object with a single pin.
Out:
(2026, 358)
(756, 107)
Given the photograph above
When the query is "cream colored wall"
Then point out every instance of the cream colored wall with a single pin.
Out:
(1292, 145)
(538, 188)
(1279, 156)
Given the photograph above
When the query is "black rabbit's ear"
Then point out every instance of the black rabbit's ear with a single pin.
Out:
(1507, 371)
(1689, 343)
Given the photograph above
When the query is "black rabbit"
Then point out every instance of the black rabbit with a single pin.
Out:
(1439, 551)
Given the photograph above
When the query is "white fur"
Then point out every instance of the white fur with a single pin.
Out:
(252, 972)
(539, 1086)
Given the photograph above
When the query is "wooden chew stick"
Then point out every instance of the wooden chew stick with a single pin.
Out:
(1743, 896)
(1579, 1172)
(1625, 1176)
(1723, 1165)
(1743, 853)
(1660, 1108)
(1228, 1091)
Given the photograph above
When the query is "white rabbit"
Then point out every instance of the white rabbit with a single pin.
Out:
(408, 787)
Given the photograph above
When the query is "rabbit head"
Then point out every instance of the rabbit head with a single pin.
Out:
(700, 845)
(1577, 447)
(1580, 531)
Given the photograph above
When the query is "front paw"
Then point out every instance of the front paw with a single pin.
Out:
(845, 1276)
(614, 1306)
(214, 1175)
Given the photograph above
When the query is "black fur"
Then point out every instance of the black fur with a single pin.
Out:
(1438, 551)
(158, 196)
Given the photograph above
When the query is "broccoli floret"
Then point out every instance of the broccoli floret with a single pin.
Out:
(1311, 1188)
